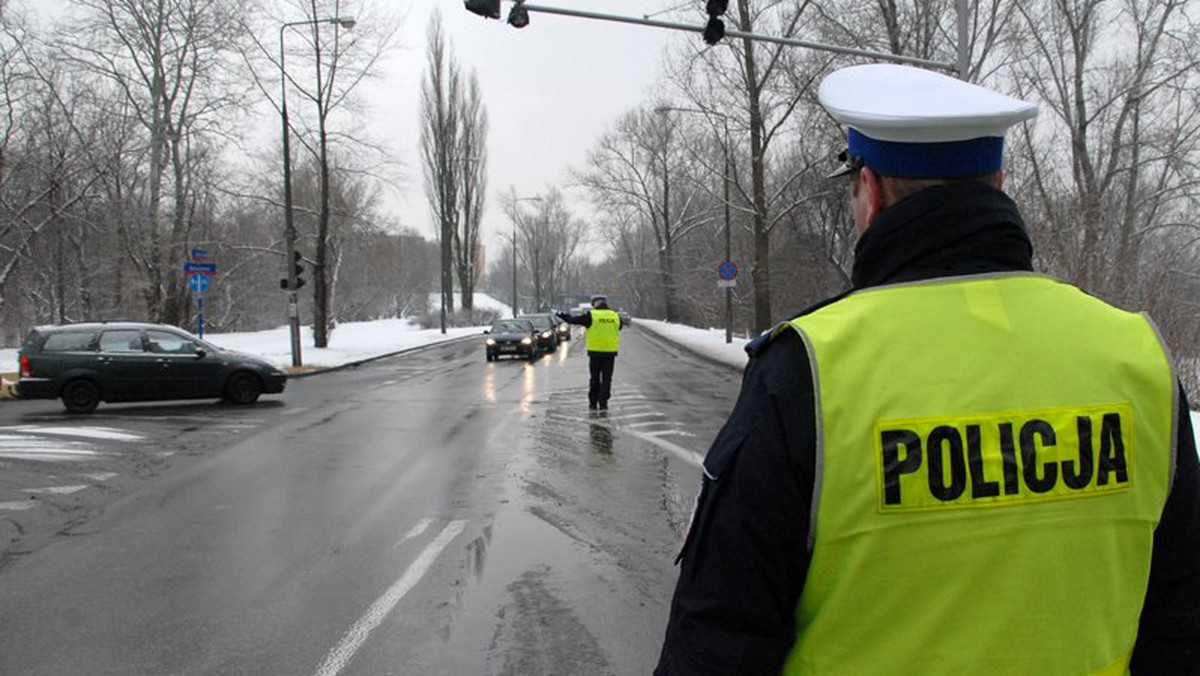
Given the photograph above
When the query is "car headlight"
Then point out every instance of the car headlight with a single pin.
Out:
(489, 342)
(526, 341)
(546, 334)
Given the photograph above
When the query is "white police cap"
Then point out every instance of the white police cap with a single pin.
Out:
(916, 123)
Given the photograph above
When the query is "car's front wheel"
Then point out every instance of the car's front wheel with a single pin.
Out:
(81, 396)
(243, 388)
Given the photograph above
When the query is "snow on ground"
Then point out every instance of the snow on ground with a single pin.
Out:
(349, 342)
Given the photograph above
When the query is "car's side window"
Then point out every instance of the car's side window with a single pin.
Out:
(162, 341)
(125, 341)
(69, 341)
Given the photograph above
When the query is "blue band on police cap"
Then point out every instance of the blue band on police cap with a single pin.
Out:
(944, 159)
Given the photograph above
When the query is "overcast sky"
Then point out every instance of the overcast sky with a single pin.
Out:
(550, 89)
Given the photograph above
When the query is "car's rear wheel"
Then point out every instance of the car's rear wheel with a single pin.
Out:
(81, 396)
(243, 388)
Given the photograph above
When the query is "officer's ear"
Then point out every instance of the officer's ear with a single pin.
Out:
(868, 198)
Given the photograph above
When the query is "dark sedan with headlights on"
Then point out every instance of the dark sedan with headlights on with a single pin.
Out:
(547, 333)
(512, 338)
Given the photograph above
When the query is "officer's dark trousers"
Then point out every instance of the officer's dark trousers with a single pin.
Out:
(600, 366)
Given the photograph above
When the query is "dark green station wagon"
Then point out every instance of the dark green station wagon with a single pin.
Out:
(85, 364)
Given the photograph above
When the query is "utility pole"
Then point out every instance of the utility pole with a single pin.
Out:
(291, 257)
(516, 217)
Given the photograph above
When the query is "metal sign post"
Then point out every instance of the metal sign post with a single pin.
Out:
(727, 273)
(199, 272)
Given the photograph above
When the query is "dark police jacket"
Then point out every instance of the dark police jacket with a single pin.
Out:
(745, 558)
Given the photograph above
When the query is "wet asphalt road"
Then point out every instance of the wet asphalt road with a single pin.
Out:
(424, 514)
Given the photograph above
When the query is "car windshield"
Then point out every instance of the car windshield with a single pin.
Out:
(512, 326)
(540, 321)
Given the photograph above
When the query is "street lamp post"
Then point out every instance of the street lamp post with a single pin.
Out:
(728, 171)
(728, 247)
(514, 268)
(288, 219)
(516, 220)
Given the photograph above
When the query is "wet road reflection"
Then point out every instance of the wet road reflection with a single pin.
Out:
(601, 438)
(435, 514)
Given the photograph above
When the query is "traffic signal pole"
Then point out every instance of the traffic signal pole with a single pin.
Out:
(883, 56)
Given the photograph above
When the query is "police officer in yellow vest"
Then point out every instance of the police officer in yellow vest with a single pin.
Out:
(603, 337)
(957, 467)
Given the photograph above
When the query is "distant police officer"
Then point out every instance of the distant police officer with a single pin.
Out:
(603, 337)
(957, 467)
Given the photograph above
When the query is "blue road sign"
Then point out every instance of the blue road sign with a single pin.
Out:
(198, 282)
(203, 268)
(728, 270)
(199, 254)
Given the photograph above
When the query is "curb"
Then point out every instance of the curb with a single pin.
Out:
(359, 362)
(680, 346)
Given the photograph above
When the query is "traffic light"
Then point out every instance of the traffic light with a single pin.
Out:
(518, 16)
(489, 9)
(715, 29)
(298, 266)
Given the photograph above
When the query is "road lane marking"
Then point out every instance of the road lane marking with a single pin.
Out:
(651, 423)
(16, 506)
(670, 433)
(413, 532)
(99, 476)
(54, 490)
(345, 650)
(685, 454)
(628, 416)
(110, 433)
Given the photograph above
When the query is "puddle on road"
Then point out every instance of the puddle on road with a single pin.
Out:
(511, 571)
(578, 562)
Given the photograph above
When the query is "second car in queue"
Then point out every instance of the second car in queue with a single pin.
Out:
(547, 335)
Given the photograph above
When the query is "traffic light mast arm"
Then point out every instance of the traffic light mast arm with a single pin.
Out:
(883, 56)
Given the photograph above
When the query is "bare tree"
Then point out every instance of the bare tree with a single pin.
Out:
(759, 86)
(547, 243)
(327, 64)
(166, 58)
(454, 127)
(441, 99)
(473, 130)
(49, 165)
(1110, 168)
(640, 170)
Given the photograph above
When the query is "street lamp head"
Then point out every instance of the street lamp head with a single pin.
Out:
(346, 22)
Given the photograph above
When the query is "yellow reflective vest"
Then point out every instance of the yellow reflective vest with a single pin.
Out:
(604, 333)
(993, 456)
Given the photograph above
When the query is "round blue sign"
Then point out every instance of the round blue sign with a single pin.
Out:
(198, 283)
(728, 270)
